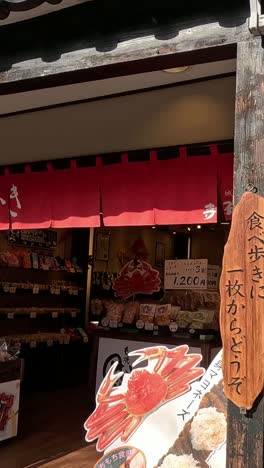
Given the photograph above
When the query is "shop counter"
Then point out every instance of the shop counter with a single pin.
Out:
(110, 346)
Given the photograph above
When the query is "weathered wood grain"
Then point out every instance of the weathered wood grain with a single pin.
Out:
(102, 43)
(245, 438)
(242, 303)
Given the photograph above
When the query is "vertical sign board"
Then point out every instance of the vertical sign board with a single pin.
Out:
(242, 303)
(186, 274)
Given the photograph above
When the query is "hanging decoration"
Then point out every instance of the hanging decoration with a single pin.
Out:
(137, 277)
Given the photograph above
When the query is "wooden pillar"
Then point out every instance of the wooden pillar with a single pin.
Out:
(245, 441)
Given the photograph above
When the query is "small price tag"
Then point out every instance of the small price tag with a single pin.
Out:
(33, 315)
(35, 289)
(140, 324)
(113, 324)
(173, 327)
(75, 292)
(105, 322)
(57, 291)
(73, 314)
(12, 290)
(67, 339)
(149, 326)
(70, 291)
(33, 344)
(10, 315)
(6, 289)
(52, 290)
(50, 343)
(54, 315)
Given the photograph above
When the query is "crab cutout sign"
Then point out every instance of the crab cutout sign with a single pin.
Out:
(120, 410)
(136, 277)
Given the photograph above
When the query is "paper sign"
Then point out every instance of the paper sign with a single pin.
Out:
(213, 276)
(35, 289)
(186, 274)
(33, 315)
(10, 315)
(54, 315)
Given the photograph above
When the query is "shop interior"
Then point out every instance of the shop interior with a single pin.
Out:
(59, 296)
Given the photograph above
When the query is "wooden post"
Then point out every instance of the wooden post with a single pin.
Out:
(245, 441)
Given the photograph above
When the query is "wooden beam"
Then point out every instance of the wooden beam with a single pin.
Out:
(86, 46)
(245, 441)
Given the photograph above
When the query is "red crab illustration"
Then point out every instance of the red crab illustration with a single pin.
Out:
(137, 276)
(168, 375)
(6, 403)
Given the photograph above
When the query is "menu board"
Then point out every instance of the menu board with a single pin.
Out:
(42, 238)
(186, 274)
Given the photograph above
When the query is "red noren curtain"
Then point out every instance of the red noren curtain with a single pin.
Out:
(128, 193)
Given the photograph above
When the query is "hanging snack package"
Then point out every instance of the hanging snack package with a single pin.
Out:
(163, 315)
(96, 307)
(147, 312)
(8, 352)
(131, 312)
(114, 311)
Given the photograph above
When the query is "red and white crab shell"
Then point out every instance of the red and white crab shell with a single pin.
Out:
(119, 411)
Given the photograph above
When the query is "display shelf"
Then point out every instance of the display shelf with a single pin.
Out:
(54, 312)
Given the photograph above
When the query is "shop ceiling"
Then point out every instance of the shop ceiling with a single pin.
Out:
(44, 98)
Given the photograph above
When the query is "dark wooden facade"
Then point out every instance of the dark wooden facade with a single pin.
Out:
(103, 39)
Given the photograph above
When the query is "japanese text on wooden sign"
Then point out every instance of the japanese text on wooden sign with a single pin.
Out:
(186, 274)
(242, 302)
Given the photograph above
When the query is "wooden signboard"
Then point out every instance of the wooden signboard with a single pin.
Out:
(242, 303)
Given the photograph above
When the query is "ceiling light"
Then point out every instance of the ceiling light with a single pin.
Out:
(153, 227)
(174, 233)
(176, 70)
(188, 228)
(199, 226)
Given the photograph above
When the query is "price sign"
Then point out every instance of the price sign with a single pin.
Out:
(33, 344)
(10, 315)
(73, 313)
(33, 315)
(12, 289)
(54, 315)
(213, 276)
(149, 326)
(186, 274)
(35, 289)
(49, 343)
(113, 324)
